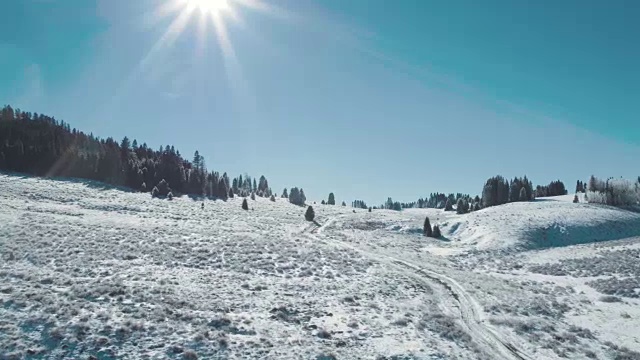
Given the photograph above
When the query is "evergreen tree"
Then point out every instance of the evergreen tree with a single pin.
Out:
(332, 199)
(495, 191)
(344, 203)
(462, 207)
(436, 232)
(272, 198)
(285, 194)
(245, 205)
(310, 214)
(253, 195)
(426, 229)
(163, 188)
(448, 206)
(296, 196)
(230, 193)
(322, 202)
(575, 199)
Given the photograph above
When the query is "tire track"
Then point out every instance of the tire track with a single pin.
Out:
(471, 312)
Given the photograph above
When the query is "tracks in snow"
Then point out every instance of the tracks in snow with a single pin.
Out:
(471, 314)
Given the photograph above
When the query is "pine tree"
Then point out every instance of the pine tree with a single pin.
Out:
(332, 199)
(575, 199)
(285, 194)
(369, 209)
(462, 206)
(322, 202)
(272, 198)
(426, 229)
(253, 195)
(448, 206)
(310, 214)
(344, 203)
(230, 193)
(436, 232)
(245, 205)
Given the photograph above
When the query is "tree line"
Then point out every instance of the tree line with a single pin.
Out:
(40, 145)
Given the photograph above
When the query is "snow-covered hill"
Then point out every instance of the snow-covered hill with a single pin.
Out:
(543, 223)
(88, 271)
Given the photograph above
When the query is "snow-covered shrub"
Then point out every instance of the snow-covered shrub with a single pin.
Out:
(253, 195)
(245, 206)
(154, 191)
(272, 198)
(170, 195)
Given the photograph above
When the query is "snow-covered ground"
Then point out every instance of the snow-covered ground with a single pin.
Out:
(88, 271)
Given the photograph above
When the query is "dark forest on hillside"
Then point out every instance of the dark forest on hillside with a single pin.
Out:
(40, 145)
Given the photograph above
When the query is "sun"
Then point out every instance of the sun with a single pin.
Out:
(211, 6)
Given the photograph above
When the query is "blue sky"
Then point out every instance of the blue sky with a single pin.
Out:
(365, 98)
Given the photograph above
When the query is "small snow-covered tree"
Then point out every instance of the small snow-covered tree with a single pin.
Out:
(170, 195)
(310, 214)
(285, 194)
(322, 202)
(230, 193)
(272, 198)
(575, 199)
(426, 228)
(332, 199)
(253, 195)
(154, 191)
(344, 203)
(245, 205)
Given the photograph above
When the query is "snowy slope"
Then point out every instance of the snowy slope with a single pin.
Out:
(546, 222)
(88, 270)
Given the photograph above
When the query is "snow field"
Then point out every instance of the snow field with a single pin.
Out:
(88, 271)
